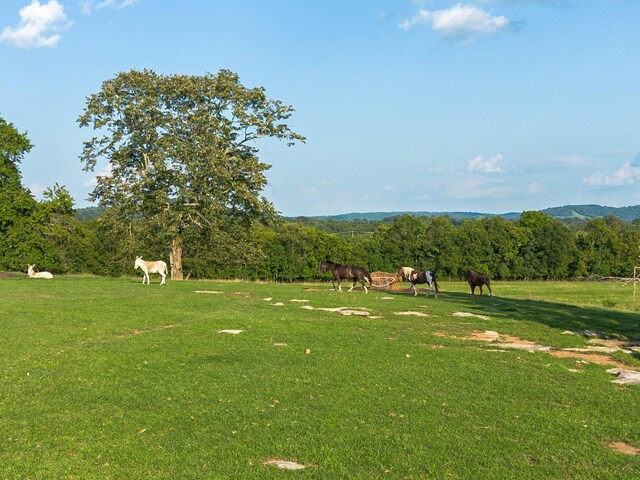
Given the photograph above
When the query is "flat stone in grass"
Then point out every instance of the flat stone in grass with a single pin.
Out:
(416, 314)
(284, 464)
(625, 377)
(469, 314)
(341, 310)
(232, 332)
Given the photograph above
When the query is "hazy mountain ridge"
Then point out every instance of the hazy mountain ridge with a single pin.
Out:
(628, 213)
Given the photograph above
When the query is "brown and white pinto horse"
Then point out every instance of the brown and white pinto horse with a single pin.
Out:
(344, 272)
(403, 273)
(151, 267)
(418, 278)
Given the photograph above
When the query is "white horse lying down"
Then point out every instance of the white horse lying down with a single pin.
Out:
(151, 267)
(33, 274)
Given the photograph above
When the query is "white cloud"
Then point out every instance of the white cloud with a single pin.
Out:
(118, 5)
(87, 5)
(461, 21)
(573, 160)
(627, 174)
(107, 171)
(535, 188)
(37, 27)
(37, 189)
(473, 187)
(486, 165)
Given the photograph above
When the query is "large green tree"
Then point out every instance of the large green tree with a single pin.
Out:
(182, 151)
(16, 203)
(15, 200)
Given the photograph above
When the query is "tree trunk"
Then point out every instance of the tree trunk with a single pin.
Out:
(175, 258)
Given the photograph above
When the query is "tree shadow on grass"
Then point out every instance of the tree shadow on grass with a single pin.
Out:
(561, 316)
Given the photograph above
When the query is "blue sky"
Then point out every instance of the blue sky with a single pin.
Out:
(477, 105)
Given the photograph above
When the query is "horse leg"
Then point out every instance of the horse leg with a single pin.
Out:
(164, 277)
(354, 284)
(473, 290)
(146, 276)
(415, 291)
(490, 292)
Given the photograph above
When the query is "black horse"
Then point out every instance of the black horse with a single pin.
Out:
(478, 280)
(344, 272)
(418, 278)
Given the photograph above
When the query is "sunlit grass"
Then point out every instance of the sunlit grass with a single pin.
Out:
(107, 378)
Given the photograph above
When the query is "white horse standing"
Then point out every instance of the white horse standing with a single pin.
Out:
(151, 267)
(33, 274)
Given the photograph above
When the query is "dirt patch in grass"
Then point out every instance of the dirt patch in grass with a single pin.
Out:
(155, 329)
(361, 311)
(599, 359)
(7, 275)
(469, 314)
(589, 354)
(622, 447)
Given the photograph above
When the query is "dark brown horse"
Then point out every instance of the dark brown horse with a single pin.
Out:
(345, 272)
(478, 280)
(418, 278)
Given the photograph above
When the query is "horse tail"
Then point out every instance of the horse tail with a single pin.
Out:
(435, 282)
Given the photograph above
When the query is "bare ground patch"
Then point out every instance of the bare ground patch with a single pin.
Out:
(622, 447)
(594, 354)
(415, 314)
(155, 329)
(469, 314)
(359, 311)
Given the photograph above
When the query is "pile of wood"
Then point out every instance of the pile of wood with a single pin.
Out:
(383, 281)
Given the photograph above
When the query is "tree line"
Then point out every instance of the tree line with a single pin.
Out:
(535, 246)
(185, 185)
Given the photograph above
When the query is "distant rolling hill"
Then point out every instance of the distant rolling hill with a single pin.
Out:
(580, 212)
(377, 216)
(627, 214)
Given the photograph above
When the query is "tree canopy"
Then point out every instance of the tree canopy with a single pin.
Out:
(182, 150)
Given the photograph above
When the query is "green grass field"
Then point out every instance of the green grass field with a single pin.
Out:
(107, 378)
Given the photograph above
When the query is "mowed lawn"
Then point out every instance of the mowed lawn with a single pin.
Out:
(108, 378)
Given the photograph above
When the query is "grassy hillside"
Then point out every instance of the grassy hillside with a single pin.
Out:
(146, 387)
(628, 214)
